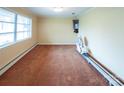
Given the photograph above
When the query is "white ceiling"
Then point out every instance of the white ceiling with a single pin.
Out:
(49, 12)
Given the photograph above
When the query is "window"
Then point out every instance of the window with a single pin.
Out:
(13, 27)
(23, 27)
(7, 22)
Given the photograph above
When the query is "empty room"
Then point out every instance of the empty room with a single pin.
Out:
(61, 46)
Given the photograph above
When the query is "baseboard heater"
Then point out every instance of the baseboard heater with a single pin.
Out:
(14, 60)
(112, 79)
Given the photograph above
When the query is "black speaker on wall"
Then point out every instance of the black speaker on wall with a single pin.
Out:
(76, 25)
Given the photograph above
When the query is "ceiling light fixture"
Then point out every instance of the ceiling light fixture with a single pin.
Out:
(58, 9)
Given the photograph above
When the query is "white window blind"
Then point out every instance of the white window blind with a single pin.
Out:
(13, 27)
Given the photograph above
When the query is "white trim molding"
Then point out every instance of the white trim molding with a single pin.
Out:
(56, 44)
(112, 80)
(13, 61)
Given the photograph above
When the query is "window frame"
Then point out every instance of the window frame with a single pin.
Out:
(15, 41)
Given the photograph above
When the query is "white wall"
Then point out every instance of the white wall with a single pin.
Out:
(55, 31)
(10, 52)
(104, 29)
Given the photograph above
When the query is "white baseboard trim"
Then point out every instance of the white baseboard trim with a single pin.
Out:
(56, 44)
(113, 81)
(13, 61)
